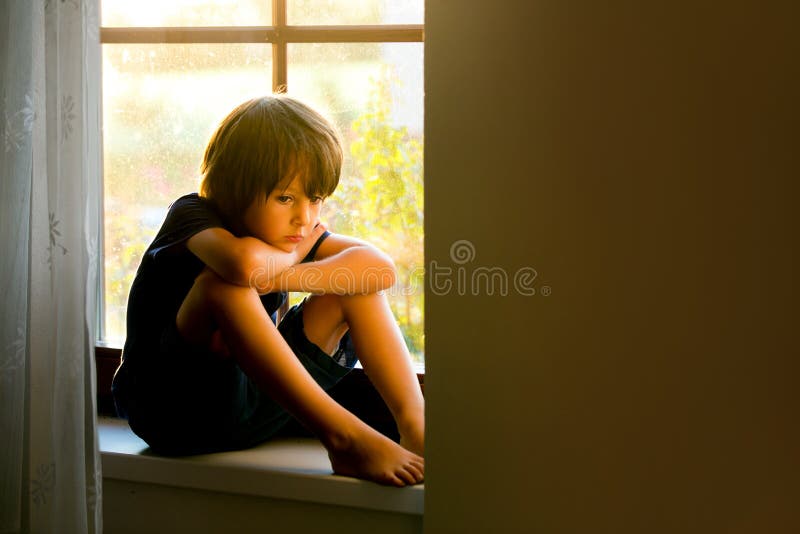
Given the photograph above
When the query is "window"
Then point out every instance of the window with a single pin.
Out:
(172, 70)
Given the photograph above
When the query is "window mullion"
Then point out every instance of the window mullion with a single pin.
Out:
(186, 35)
(395, 33)
(277, 35)
(279, 47)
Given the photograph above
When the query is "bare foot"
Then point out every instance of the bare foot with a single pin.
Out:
(372, 456)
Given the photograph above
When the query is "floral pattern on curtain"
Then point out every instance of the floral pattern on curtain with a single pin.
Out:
(50, 479)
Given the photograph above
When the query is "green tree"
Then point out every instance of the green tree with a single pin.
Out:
(384, 202)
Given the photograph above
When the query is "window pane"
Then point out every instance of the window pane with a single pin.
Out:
(157, 13)
(160, 106)
(374, 94)
(332, 12)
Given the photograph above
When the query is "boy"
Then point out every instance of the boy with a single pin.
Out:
(205, 368)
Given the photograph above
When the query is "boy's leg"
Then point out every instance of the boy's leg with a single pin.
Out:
(253, 340)
(380, 347)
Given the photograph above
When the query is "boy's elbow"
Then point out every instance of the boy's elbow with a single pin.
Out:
(387, 272)
(248, 273)
(245, 268)
(391, 277)
(238, 273)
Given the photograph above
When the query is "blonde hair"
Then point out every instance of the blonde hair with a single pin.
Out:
(264, 143)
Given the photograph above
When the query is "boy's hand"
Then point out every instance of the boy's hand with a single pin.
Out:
(264, 280)
(304, 246)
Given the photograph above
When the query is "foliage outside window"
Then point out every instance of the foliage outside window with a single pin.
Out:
(172, 71)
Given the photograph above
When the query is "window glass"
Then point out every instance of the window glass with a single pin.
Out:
(163, 13)
(161, 102)
(331, 12)
(374, 94)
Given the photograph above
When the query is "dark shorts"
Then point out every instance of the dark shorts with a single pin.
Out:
(190, 401)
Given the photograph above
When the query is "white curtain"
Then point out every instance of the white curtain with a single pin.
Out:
(50, 163)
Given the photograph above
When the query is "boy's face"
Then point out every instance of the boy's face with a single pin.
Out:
(285, 218)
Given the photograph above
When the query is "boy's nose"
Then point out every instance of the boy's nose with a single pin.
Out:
(303, 214)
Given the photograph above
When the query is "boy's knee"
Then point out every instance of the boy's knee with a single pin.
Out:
(212, 287)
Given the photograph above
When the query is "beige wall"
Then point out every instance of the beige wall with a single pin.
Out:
(644, 161)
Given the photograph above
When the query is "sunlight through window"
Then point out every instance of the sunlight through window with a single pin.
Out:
(172, 70)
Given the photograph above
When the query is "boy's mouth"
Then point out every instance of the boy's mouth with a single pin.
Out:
(294, 238)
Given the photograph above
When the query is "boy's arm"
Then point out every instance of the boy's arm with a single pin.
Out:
(342, 265)
(240, 260)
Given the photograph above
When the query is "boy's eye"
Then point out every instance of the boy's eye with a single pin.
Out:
(284, 198)
(316, 200)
